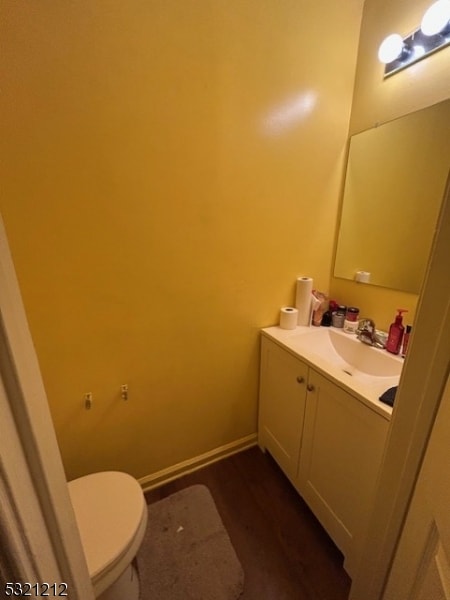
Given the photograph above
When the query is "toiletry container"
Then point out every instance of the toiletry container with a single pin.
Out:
(406, 339)
(396, 331)
(327, 318)
(338, 316)
(351, 321)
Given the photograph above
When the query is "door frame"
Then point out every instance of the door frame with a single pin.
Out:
(37, 523)
(419, 395)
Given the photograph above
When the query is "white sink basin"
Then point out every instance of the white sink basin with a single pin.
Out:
(345, 351)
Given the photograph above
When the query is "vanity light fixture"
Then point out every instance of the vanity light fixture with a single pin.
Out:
(432, 35)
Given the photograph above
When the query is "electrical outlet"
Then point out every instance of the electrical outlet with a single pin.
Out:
(124, 391)
(88, 400)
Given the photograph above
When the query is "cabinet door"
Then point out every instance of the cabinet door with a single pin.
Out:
(281, 405)
(343, 443)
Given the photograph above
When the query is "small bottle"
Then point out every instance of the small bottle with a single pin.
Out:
(406, 340)
(338, 316)
(394, 341)
(327, 318)
(351, 319)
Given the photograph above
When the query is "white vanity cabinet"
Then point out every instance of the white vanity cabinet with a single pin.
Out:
(327, 441)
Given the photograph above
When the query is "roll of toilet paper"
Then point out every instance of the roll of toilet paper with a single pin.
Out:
(303, 297)
(288, 317)
(362, 276)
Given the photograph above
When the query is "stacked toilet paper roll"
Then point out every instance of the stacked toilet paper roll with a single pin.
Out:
(288, 317)
(362, 276)
(303, 297)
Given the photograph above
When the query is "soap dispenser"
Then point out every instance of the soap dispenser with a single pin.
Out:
(396, 330)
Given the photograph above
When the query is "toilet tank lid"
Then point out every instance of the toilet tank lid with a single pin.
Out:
(109, 507)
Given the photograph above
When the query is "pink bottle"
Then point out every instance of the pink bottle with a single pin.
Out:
(396, 331)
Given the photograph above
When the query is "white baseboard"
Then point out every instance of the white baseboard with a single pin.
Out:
(159, 478)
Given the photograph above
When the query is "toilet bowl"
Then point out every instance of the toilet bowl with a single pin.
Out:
(111, 515)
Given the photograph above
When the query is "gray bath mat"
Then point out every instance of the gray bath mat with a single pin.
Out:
(186, 553)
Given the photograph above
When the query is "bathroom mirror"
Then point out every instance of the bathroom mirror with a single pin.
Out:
(394, 185)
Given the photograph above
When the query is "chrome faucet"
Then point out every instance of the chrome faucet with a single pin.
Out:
(368, 334)
(366, 331)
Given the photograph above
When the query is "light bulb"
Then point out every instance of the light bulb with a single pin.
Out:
(390, 48)
(436, 18)
(418, 51)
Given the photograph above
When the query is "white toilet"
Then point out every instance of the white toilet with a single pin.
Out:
(111, 514)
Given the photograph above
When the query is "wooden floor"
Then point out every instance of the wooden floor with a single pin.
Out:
(285, 553)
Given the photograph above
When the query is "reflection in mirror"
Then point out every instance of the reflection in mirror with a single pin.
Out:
(395, 182)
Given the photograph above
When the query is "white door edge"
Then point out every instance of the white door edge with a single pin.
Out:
(423, 380)
(38, 533)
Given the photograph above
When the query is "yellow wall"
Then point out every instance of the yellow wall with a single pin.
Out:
(169, 168)
(375, 101)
